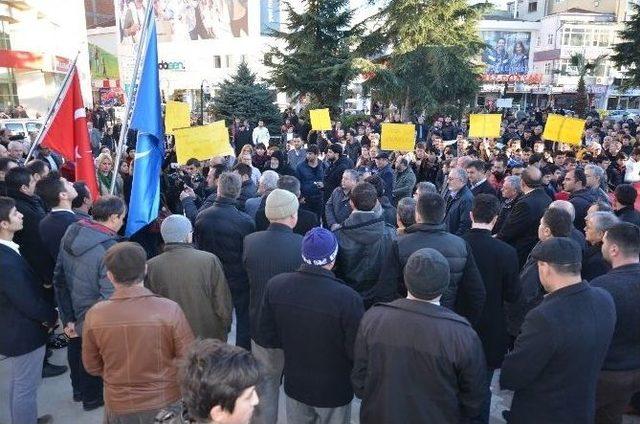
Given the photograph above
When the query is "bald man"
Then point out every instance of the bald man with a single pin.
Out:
(521, 228)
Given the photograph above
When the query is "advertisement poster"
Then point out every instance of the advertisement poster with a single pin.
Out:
(269, 16)
(103, 64)
(183, 20)
(507, 53)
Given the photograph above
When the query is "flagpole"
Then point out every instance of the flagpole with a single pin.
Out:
(52, 109)
(131, 98)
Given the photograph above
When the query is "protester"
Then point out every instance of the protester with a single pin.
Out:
(623, 204)
(406, 214)
(337, 164)
(6, 164)
(310, 173)
(338, 207)
(575, 234)
(220, 229)
(404, 180)
(510, 193)
(28, 316)
(417, 343)
(580, 195)
(556, 361)
(313, 317)
(81, 204)
(459, 200)
(266, 254)
(267, 183)
(478, 182)
(593, 262)
(618, 380)
(117, 336)
(385, 173)
(248, 188)
(384, 207)
(105, 175)
(192, 278)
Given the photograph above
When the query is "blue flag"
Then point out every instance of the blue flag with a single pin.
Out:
(147, 119)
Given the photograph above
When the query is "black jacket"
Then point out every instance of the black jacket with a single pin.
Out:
(23, 310)
(220, 230)
(248, 191)
(593, 264)
(425, 348)
(484, 188)
(314, 318)
(557, 357)
(364, 240)
(386, 175)
(521, 228)
(333, 175)
(465, 294)
(31, 244)
(629, 214)
(53, 226)
(623, 285)
(581, 200)
(457, 218)
(265, 255)
(505, 210)
(502, 285)
(306, 220)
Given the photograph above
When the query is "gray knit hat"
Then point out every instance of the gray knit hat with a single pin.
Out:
(426, 274)
(280, 204)
(175, 229)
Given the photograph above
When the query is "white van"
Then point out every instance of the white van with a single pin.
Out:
(21, 125)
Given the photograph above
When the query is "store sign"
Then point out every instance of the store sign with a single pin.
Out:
(530, 79)
(171, 66)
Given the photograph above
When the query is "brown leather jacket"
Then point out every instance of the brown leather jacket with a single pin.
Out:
(132, 341)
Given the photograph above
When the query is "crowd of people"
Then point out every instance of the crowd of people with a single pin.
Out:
(405, 279)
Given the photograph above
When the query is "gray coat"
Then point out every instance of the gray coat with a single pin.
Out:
(80, 277)
(338, 208)
(405, 181)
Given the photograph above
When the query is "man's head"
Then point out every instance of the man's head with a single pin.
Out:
(594, 175)
(176, 229)
(15, 150)
(334, 152)
(297, 141)
(320, 248)
(3, 151)
(457, 179)
(624, 196)
(566, 206)
(476, 171)
(382, 160)
(621, 244)
(559, 262)
(531, 178)
(56, 191)
(282, 207)
(21, 180)
(484, 210)
(363, 197)
(192, 167)
(10, 218)
(554, 223)
(377, 182)
(406, 212)
(598, 223)
(219, 381)
(430, 209)
(312, 153)
(6, 164)
(268, 181)
(511, 187)
(126, 264)
(426, 274)
(574, 180)
(83, 200)
(244, 171)
(109, 211)
(290, 183)
(349, 179)
(401, 164)
(38, 168)
(229, 185)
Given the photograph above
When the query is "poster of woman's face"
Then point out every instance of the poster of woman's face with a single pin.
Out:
(506, 52)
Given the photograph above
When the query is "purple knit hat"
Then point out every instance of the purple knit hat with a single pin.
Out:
(319, 247)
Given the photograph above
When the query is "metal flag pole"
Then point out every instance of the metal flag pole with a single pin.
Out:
(53, 109)
(131, 98)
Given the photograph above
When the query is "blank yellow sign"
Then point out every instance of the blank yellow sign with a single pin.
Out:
(564, 129)
(202, 142)
(486, 125)
(401, 137)
(320, 120)
(176, 115)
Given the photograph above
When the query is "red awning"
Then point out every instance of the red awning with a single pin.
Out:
(20, 60)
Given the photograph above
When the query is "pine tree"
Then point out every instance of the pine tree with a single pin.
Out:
(316, 59)
(422, 53)
(627, 51)
(244, 98)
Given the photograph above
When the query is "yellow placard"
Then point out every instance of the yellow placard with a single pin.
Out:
(486, 125)
(564, 129)
(202, 142)
(400, 137)
(176, 115)
(320, 120)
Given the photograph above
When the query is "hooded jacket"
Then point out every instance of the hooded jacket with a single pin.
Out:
(364, 241)
(80, 276)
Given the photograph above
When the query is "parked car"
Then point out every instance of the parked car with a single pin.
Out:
(619, 114)
(21, 126)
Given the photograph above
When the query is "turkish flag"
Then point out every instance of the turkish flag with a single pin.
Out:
(67, 134)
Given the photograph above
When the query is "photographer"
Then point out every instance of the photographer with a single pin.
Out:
(177, 179)
(192, 203)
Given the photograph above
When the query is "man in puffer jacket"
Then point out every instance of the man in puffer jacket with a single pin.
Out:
(364, 239)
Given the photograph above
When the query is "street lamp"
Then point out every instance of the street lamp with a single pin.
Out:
(202, 85)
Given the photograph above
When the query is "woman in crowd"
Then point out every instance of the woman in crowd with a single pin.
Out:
(105, 175)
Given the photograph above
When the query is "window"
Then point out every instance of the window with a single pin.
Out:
(227, 61)
(217, 62)
(533, 7)
(587, 37)
(549, 39)
(547, 68)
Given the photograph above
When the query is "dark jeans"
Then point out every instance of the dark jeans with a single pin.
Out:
(613, 393)
(88, 385)
(240, 299)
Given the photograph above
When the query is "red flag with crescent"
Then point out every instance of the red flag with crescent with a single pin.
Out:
(67, 133)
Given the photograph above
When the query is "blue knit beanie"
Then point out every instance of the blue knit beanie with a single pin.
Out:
(319, 247)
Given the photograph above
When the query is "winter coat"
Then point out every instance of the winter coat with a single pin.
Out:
(194, 280)
(338, 207)
(247, 191)
(405, 182)
(386, 175)
(581, 200)
(80, 277)
(364, 241)
(457, 218)
(593, 264)
(333, 175)
(426, 347)
(220, 230)
(629, 214)
(308, 176)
